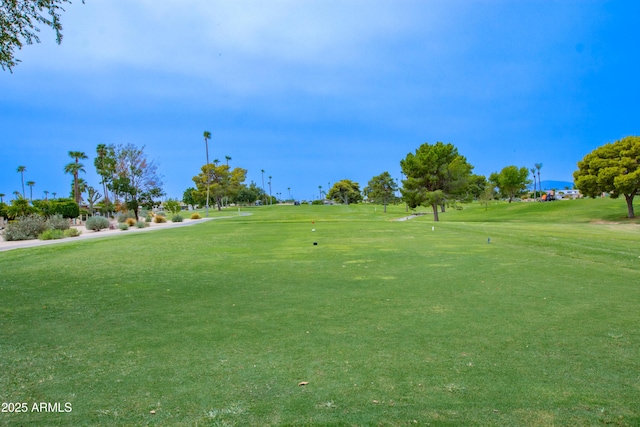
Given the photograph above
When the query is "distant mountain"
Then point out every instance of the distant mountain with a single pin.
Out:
(554, 185)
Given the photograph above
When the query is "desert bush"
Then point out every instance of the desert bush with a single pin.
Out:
(57, 222)
(97, 223)
(141, 224)
(177, 218)
(131, 222)
(25, 228)
(123, 217)
(158, 219)
(123, 226)
(172, 206)
(51, 234)
(72, 232)
(195, 216)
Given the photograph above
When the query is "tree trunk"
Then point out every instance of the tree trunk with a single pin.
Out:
(629, 198)
(75, 187)
(435, 212)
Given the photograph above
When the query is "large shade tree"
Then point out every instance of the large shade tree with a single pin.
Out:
(137, 178)
(381, 189)
(249, 194)
(476, 188)
(219, 181)
(345, 191)
(511, 181)
(434, 175)
(613, 168)
(20, 22)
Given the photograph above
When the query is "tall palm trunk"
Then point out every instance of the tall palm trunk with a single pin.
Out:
(76, 196)
(535, 192)
(539, 183)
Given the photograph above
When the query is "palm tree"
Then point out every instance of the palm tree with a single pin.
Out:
(270, 190)
(2, 197)
(22, 170)
(54, 194)
(228, 158)
(207, 137)
(30, 184)
(289, 188)
(538, 167)
(320, 188)
(533, 172)
(216, 161)
(102, 152)
(46, 195)
(75, 168)
(16, 194)
(82, 186)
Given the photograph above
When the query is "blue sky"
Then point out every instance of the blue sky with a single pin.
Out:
(314, 91)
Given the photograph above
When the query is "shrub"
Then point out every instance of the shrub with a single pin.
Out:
(161, 213)
(159, 219)
(57, 222)
(106, 208)
(172, 206)
(141, 224)
(51, 234)
(72, 232)
(195, 216)
(68, 208)
(131, 222)
(123, 226)
(177, 218)
(44, 206)
(20, 208)
(25, 228)
(97, 223)
(123, 217)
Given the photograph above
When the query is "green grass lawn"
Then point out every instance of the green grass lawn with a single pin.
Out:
(390, 323)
